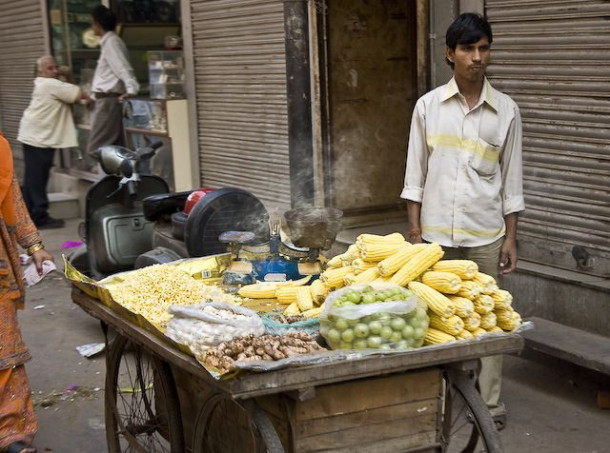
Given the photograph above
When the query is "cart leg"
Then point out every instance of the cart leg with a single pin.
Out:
(468, 423)
(141, 402)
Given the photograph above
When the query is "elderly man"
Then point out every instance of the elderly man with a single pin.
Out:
(113, 81)
(46, 125)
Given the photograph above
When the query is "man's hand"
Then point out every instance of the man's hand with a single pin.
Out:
(122, 97)
(40, 256)
(508, 256)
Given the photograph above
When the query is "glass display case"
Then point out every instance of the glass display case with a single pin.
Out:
(166, 74)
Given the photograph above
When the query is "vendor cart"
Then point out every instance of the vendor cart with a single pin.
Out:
(161, 399)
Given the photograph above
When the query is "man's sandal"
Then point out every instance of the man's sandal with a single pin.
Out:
(19, 447)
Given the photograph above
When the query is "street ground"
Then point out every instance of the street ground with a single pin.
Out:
(551, 405)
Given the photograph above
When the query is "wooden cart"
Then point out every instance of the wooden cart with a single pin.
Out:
(160, 399)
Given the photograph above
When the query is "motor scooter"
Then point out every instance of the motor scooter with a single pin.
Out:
(115, 231)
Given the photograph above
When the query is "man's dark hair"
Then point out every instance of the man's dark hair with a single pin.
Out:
(103, 16)
(468, 28)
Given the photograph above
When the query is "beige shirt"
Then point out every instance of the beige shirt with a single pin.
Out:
(464, 165)
(113, 73)
(48, 121)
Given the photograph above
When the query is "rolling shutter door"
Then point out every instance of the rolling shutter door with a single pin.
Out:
(553, 59)
(22, 38)
(240, 72)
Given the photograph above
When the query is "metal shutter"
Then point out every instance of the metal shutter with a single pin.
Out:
(22, 38)
(240, 72)
(552, 58)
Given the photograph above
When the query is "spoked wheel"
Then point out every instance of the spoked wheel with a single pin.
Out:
(212, 434)
(468, 426)
(141, 403)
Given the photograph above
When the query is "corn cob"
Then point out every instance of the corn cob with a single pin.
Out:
(360, 265)
(483, 304)
(382, 280)
(335, 261)
(380, 251)
(366, 238)
(333, 278)
(502, 299)
(421, 261)
(292, 309)
(286, 294)
(469, 289)
(465, 335)
(463, 307)
(304, 299)
(479, 331)
(434, 336)
(319, 291)
(504, 314)
(452, 325)
(435, 301)
(465, 269)
(488, 321)
(445, 282)
(351, 253)
(473, 322)
(495, 329)
(394, 262)
(258, 291)
(487, 282)
(511, 324)
(365, 277)
(313, 312)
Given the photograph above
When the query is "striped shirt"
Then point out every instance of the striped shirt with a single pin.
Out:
(464, 165)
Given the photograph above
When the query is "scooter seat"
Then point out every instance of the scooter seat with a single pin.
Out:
(164, 204)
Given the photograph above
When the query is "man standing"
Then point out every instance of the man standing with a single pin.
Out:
(113, 81)
(46, 125)
(463, 181)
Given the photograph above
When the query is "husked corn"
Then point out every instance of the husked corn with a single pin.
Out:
(434, 336)
(445, 282)
(495, 329)
(487, 282)
(479, 332)
(333, 278)
(286, 294)
(421, 261)
(452, 325)
(304, 299)
(367, 238)
(469, 289)
(488, 320)
(292, 309)
(473, 322)
(360, 265)
(258, 291)
(502, 299)
(313, 312)
(463, 307)
(319, 291)
(436, 302)
(364, 277)
(403, 253)
(465, 335)
(379, 251)
(465, 269)
(150, 291)
(483, 304)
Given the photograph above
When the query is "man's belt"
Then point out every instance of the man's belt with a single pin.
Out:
(107, 95)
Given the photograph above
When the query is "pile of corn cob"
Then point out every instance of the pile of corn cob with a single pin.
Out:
(462, 302)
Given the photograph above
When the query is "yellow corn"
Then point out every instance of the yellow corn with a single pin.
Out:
(487, 282)
(451, 325)
(335, 261)
(479, 331)
(286, 294)
(319, 291)
(469, 289)
(292, 309)
(436, 302)
(304, 299)
(465, 269)
(463, 307)
(364, 277)
(434, 336)
(509, 324)
(465, 335)
(495, 329)
(333, 278)
(421, 261)
(366, 238)
(382, 280)
(502, 299)
(504, 314)
(258, 291)
(313, 312)
(360, 265)
(488, 320)
(445, 282)
(473, 322)
(394, 262)
(379, 251)
(483, 304)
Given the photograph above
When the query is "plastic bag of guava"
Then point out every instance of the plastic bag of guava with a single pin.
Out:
(374, 316)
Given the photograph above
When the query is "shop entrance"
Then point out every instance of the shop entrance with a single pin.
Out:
(372, 89)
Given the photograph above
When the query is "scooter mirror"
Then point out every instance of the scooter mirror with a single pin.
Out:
(115, 160)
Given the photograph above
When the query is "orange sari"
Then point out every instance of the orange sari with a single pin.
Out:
(17, 418)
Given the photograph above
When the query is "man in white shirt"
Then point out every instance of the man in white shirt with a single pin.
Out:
(47, 124)
(113, 81)
(463, 181)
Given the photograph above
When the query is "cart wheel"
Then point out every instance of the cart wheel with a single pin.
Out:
(212, 433)
(468, 426)
(141, 402)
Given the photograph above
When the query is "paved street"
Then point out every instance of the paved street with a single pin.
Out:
(551, 407)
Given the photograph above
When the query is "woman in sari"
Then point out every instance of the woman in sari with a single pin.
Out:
(18, 424)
